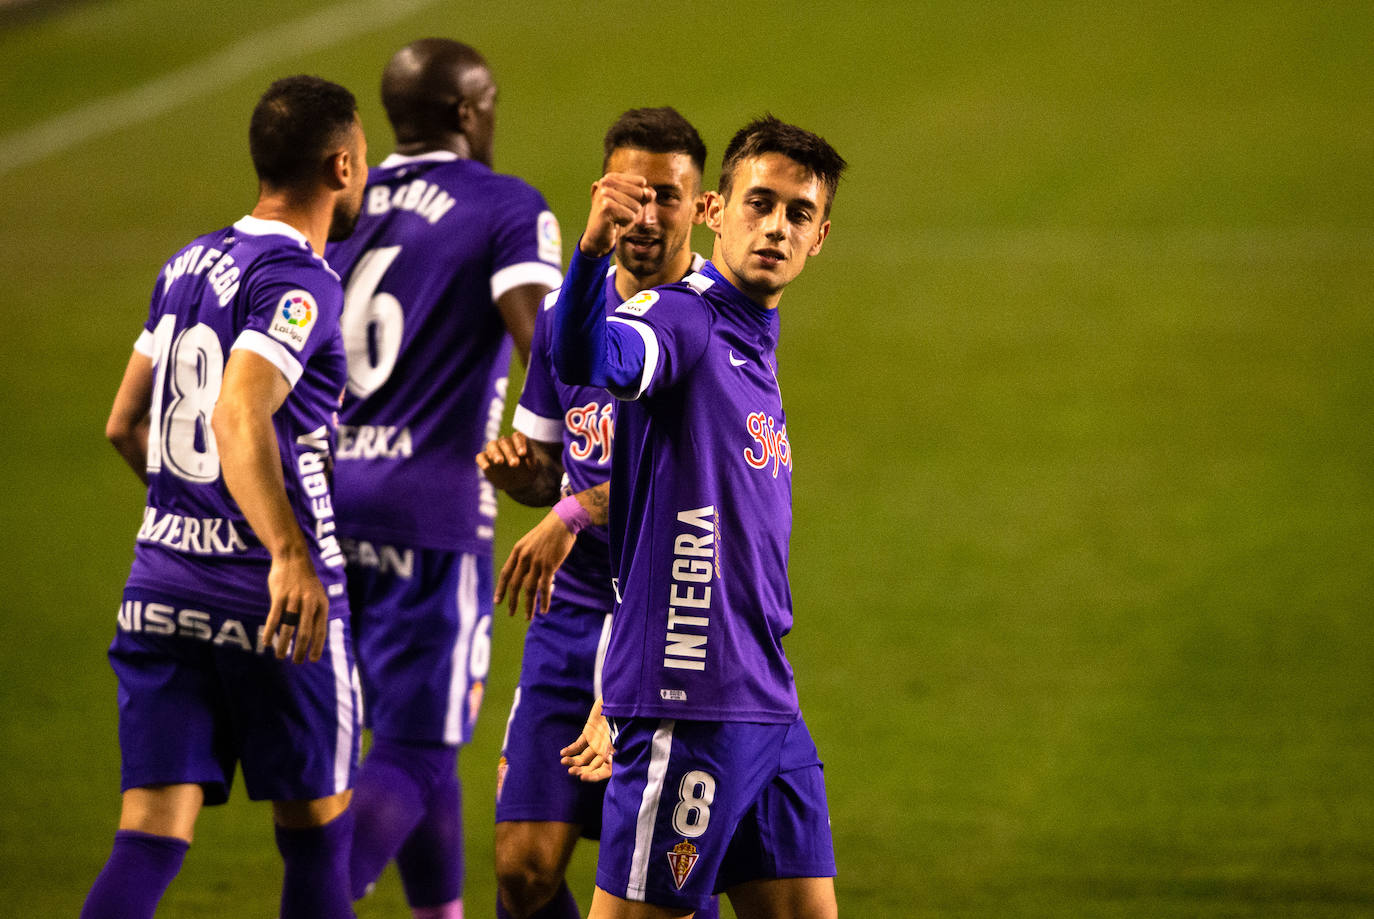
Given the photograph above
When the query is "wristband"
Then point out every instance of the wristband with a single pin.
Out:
(573, 514)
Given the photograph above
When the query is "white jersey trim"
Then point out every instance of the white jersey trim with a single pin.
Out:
(345, 713)
(600, 664)
(468, 614)
(651, 358)
(144, 344)
(661, 748)
(256, 226)
(273, 351)
(433, 156)
(524, 273)
(537, 427)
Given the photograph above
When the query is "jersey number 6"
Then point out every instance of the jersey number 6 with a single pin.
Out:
(372, 323)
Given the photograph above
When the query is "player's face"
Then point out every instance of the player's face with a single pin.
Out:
(660, 241)
(771, 223)
(478, 115)
(349, 204)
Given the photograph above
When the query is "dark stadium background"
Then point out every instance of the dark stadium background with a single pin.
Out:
(1079, 392)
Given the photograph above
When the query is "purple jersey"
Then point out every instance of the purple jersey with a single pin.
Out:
(582, 419)
(255, 286)
(439, 240)
(701, 513)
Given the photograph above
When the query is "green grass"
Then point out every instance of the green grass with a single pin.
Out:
(1079, 394)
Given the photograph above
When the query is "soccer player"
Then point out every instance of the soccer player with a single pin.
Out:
(449, 262)
(717, 784)
(561, 429)
(226, 412)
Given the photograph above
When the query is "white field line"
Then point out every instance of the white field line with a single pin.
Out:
(320, 30)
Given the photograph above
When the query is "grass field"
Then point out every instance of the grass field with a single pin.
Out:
(1080, 394)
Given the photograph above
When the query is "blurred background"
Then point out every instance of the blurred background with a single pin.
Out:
(1079, 392)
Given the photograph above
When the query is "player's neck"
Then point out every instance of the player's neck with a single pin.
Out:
(456, 144)
(627, 284)
(309, 216)
(767, 300)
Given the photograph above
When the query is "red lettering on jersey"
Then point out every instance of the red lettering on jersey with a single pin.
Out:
(592, 426)
(772, 442)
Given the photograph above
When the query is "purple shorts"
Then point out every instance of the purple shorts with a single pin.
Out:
(558, 676)
(696, 807)
(422, 627)
(197, 697)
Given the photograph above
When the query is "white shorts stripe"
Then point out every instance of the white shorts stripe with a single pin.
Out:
(343, 703)
(600, 663)
(514, 704)
(648, 810)
(467, 623)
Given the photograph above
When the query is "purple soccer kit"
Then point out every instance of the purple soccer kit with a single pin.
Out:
(560, 667)
(440, 239)
(709, 733)
(559, 670)
(198, 690)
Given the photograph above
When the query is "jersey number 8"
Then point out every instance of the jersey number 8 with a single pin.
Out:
(692, 815)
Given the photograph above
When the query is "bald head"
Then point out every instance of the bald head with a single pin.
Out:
(439, 95)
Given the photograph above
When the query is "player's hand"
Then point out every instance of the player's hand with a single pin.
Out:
(299, 610)
(534, 560)
(618, 200)
(508, 462)
(590, 756)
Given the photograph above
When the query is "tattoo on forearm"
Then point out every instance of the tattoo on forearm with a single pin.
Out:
(597, 501)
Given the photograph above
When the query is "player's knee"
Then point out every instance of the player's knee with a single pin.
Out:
(301, 815)
(527, 878)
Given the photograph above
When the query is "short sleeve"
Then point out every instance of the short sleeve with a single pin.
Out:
(527, 246)
(674, 326)
(538, 414)
(292, 304)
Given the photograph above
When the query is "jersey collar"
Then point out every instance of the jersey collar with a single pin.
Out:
(256, 226)
(433, 156)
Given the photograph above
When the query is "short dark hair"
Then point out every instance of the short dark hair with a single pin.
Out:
(296, 124)
(770, 135)
(657, 130)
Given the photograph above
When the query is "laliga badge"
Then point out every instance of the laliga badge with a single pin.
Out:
(682, 859)
(501, 769)
(639, 304)
(296, 313)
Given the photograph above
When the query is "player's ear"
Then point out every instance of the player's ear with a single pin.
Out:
(699, 207)
(820, 239)
(339, 169)
(714, 203)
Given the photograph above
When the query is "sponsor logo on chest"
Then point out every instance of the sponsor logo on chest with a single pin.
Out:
(770, 447)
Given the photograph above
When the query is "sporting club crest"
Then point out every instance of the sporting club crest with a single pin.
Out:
(683, 858)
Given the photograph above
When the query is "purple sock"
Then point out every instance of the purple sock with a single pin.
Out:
(560, 906)
(315, 885)
(392, 791)
(135, 877)
(431, 860)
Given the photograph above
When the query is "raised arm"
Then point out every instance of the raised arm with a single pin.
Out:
(586, 348)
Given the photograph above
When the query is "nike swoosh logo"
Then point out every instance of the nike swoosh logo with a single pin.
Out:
(736, 362)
